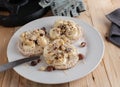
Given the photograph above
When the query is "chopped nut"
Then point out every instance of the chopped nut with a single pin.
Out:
(62, 26)
(55, 48)
(38, 61)
(35, 41)
(49, 52)
(59, 55)
(56, 58)
(68, 49)
(33, 63)
(30, 40)
(42, 68)
(50, 68)
(83, 44)
(44, 29)
(106, 37)
(62, 48)
(81, 56)
(41, 34)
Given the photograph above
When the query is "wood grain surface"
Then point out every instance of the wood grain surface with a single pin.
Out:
(107, 74)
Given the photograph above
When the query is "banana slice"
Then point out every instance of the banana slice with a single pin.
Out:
(28, 45)
(42, 41)
(55, 33)
(72, 33)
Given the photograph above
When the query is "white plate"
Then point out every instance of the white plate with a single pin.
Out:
(95, 50)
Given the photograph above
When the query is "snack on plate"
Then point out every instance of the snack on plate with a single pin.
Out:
(66, 28)
(60, 55)
(32, 42)
(55, 46)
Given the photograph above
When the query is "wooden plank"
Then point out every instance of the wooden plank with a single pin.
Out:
(27, 83)
(99, 21)
(116, 4)
(11, 79)
(7, 79)
(4, 38)
(14, 80)
(1, 78)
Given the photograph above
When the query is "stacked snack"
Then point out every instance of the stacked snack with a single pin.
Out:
(60, 55)
(32, 43)
(67, 30)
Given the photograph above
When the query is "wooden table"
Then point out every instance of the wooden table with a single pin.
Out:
(107, 74)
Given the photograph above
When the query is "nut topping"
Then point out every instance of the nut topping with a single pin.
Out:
(44, 29)
(41, 34)
(68, 49)
(55, 48)
(50, 68)
(42, 68)
(81, 56)
(33, 63)
(35, 41)
(38, 61)
(83, 44)
(56, 58)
